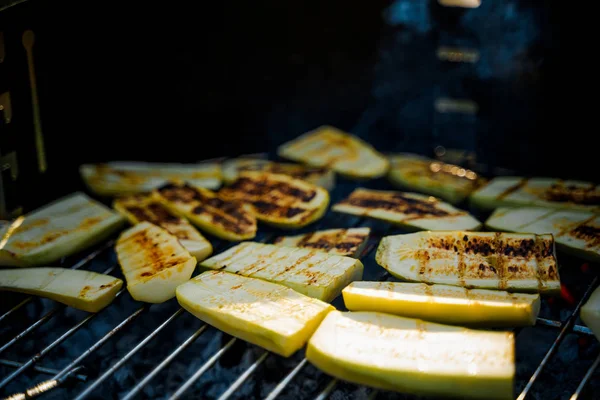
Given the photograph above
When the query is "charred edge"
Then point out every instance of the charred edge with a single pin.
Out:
(578, 195)
(590, 234)
(513, 189)
(398, 203)
(263, 187)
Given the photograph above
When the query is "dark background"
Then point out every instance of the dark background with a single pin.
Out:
(185, 81)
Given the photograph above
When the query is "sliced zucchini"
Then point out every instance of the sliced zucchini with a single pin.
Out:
(541, 192)
(590, 312)
(311, 272)
(414, 357)
(343, 242)
(84, 290)
(279, 200)
(131, 177)
(444, 304)
(153, 262)
(139, 208)
(575, 232)
(269, 315)
(319, 176)
(226, 219)
(446, 181)
(61, 228)
(330, 147)
(410, 210)
(484, 260)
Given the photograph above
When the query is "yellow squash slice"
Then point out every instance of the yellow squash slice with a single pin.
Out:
(575, 232)
(129, 177)
(510, 191)
(414, 357)
(84, 290)
(319, 176)
(153, 262)
(226, 219)
(311, 272)
(409, 210)
(269, 315)
(329, 147)
(139, 208)
(64, 227)
(446, 181)
(590, 312)
(278, 199)
(484, 260)
(343, 242)
(444, 304)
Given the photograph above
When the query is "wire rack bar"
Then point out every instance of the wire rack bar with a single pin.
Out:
(285, 381)
(187, 384)
(554, 347)
(125, 358)
(586, 378)
(38, 368)
(31, 328)
(557, 324)
(328, 389)
(44, 387)
(242, 378)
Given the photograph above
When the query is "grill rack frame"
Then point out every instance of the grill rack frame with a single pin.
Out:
(71, 370)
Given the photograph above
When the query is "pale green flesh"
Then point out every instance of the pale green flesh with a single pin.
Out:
(562, 224)
(590, 312)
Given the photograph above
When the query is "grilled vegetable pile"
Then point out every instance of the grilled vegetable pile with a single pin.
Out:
(329, 147)
(279, 200)
(64, 227)
(410, 210)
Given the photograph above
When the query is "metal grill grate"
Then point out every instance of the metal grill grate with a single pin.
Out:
(76, 369)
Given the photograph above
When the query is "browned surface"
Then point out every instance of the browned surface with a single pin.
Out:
(298, 172)
(339, 240)
(587, 232)
(396, 202)
(574, 194)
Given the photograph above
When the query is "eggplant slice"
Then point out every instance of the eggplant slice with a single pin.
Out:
(484, 260)
(542, 192)
(128, 177)
(61, 228)
(227, 219)
(139, 208)
(409, 210)
(279, 200)
(575, 232)
(319, 176)
(330, 147)
(343, 242)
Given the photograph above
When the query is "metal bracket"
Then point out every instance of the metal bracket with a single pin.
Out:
(9, 162)
(5, 105)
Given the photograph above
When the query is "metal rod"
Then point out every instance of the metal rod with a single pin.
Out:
(289, 377)
(32, 327)
(563, 333)
(45, 351)
(125, 358)
(240, 381)
(327, 391)
(202, 370)
(101, 342)
(43, 370)
(557, 324)
(586, 378)
(44, 386)
(137, 388)
(77, 265)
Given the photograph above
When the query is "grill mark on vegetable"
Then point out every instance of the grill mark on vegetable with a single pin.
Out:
(305, 239)
(298, 262)
(513, 189)
(397, 203)
(579, 195)
(265, 186)
(590, 234)
(246, 271)
(161, 214)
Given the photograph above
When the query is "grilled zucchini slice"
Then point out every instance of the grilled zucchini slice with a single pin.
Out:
(59, 229)
(410, 210)
(446, 181)
(139, 208)
(121, 178)
(444, 304)
(542, 192)
(279, 200)
(414, 357)
(153, 262)
(319, 176)
(575, 232)
(84, 290)
(343, 242)
(269, 315)
(226, 219)
(485, 260)
(590, 312)
(330, 147)
(311, 272)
